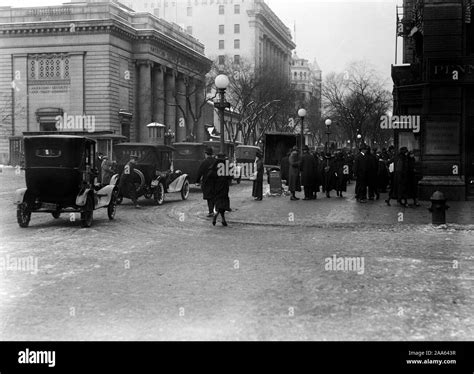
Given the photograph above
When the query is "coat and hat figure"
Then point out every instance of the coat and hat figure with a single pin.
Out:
(220, 188)
(294, 183)
(309, 174)
(203, 177)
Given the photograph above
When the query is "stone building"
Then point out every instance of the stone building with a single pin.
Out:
(98, 63)
(435, 86)
(239, 29)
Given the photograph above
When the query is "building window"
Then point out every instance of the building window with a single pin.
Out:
(237, 44)
(237, 9)
(237, 59)
(221, 60)
(221, 44)
(156, 12)
(221, 9)
(221, 29)
(189, 30)
(53, 67)
(189, 11)
(237, 28)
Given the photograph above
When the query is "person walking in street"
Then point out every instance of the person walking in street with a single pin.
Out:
(342, 173)
(400, 187)
(107, 170)
(329, 175)
(361, 174)
(294, 183)
(220, 188)
(126, 184)
(257, 189)
(372, 175)
(308, 174)
(206, 184)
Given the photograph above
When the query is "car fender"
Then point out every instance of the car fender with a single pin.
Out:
(19, 195)
(114, 180)
(177, 184)
(104, 195)
(82, 197)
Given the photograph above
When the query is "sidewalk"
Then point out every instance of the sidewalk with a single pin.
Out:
(281, 211)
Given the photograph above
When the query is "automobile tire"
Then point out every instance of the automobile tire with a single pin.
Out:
(112, 207)
(87, 214)
(159, 194)
(23, 215)
(119, 199)
(56, 215)
(185, 190)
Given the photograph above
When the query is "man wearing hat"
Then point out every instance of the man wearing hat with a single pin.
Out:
(257, 190)
(106, 170)
(203, 178)
(220, 188)
(361, 166)
(294, 183)
(308, 174)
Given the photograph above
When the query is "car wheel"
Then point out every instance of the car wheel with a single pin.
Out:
(119, 199)
(56, 215)
(87, 214)
(159, 194)
(23, 215)
(112, 207)
(185, 190)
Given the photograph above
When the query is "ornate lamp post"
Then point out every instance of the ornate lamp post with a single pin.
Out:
(302, 114)
(328, 123)
(169, 135)
(221, 82)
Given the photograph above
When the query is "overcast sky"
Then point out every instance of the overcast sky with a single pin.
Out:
(334, 32)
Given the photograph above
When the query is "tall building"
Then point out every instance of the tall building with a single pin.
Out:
(435, 86)
(239, 29)
(99, 61)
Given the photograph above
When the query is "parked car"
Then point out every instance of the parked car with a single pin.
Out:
(188, 157)
(154, 173)
(60, 173)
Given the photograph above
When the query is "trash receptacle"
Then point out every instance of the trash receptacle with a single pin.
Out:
(275, 182)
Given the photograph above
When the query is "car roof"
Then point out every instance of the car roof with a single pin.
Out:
(57, 137)
(189, 143)
(159, 147)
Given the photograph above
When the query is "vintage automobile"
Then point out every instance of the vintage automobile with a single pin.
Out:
(245, 157)
(188, 157)
(60, 174)
(154, 173)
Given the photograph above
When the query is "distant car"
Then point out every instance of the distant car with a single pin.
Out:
(188, 157)
(154, 173)
(60, 173)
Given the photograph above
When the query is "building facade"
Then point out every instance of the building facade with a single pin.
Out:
(99, 66)
(435, 86)
(235, 29)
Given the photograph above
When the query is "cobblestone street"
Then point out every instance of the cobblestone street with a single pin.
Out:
(165, 273)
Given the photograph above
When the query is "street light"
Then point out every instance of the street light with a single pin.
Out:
(328, 123)
(221, 82)
(302, 114)
(359, 136)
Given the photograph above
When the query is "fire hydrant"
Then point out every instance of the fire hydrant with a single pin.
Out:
(438, 208)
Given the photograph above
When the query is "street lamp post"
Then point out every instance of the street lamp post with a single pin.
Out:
(302, 114)
(221, 82)
(328, 123)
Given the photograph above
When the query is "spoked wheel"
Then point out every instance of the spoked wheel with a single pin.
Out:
(23, 215)
(87, 214)
(185, 190)
(159, 194)
(112, 207)
(56, 215)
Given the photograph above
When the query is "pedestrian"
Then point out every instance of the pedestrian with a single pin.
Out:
(318, 175)
(400, 188)
(412, 179)
(329, 175)
(126, 185)
(361, 174)
(285, 168)
(220, 188)
(98, 163)
(308, 174)
(257, 189)
(294, 183)
(342, 173)
(202, 177)
(383, 176)
(107, 170)
(372, 175)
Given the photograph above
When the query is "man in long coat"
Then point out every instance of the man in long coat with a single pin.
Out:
(372, 172)
(361, 165)
(308, 174)
(220, 188)
(257, 188)
(294, 183)
(203, 177)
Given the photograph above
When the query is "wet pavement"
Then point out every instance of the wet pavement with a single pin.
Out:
(165, 273)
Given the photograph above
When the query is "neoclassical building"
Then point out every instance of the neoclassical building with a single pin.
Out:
(103, 61)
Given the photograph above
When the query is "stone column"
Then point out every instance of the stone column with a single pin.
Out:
(158, 94)
(200, 97)
(143, 101)
(181, 101)
(170, 103)
(191, 94)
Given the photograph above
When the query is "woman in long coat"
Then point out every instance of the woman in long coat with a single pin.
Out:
(329, 175)
(342, 174)
(206, 185)
(294, 174)
(400, 188)
(257, 189)
(220, 188)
